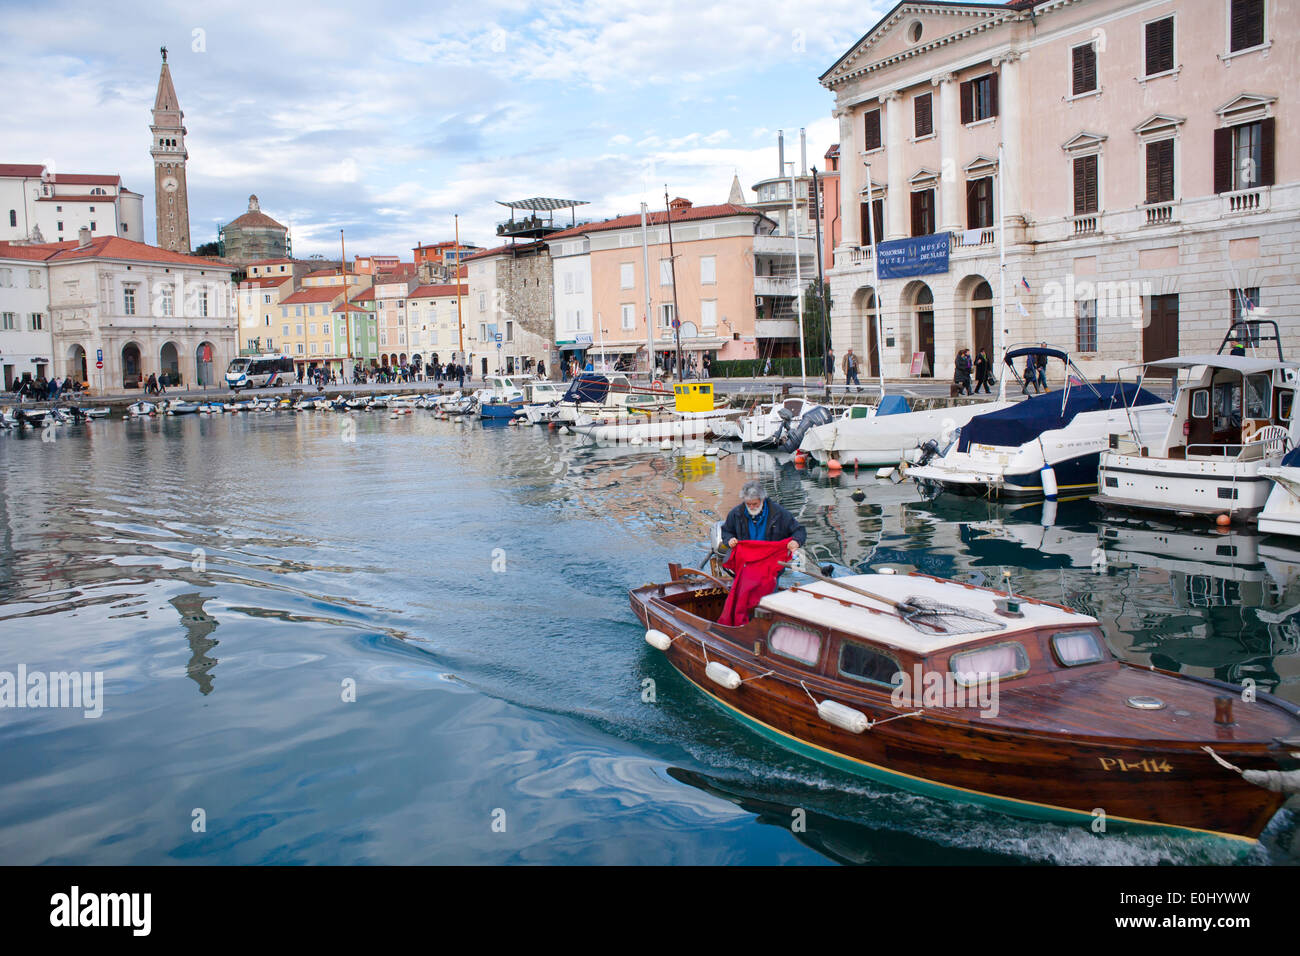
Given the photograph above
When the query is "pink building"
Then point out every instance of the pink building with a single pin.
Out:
(1147, 188)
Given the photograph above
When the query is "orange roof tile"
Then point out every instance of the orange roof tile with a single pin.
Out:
(114, 247)
(23, 170)
(326, 293)
(82, 179)
(437, 291)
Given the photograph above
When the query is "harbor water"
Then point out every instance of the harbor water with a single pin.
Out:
(334, 639)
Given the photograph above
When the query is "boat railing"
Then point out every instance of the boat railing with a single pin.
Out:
(1256, 449)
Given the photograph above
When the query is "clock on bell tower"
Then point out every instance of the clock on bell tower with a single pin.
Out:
(171, 198)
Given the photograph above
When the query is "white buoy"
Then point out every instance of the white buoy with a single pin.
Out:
(1049, 482)
(846, 718)
(635, 440)
(657, 639)
(711, 451)
(722, 675)
(665, 445)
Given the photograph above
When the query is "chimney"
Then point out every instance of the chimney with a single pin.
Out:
(83, 237)
(803, 153)
(780, 152)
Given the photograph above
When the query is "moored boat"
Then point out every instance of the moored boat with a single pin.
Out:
(974, 695)
(695, 416)
(1047, 445)
(1232, 419)
(1281, 513)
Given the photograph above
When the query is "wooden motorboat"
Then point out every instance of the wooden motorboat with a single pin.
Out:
(875, 674)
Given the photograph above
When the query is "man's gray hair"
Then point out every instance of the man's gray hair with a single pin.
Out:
(752, 489)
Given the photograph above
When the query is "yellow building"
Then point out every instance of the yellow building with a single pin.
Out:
(306, 326)
(257, 302)
(433, 318)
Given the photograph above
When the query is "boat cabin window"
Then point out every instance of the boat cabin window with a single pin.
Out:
(1227, 405)
(867, 664)
(1201, 404)
(1259, 397)
(1076, 648)
(1285, 401)
(997, 662)
(798, 643)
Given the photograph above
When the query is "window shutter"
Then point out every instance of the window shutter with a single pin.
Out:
(1160, 46)
(972, 204)
(968, 101)
(864, 239)
(924, 119)
(1247, 24)
(1160, 171)
(1085, 69)
(918, 214)
(1223, 160)
(1080, 187)
(872, 124)
(993, 94)
(1267, 134)
(878, 218)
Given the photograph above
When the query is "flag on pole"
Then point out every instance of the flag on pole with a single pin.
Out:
(1025, 282)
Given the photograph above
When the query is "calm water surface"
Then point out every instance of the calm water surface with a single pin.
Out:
(231, 576)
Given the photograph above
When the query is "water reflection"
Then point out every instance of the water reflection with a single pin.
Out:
(198, 625)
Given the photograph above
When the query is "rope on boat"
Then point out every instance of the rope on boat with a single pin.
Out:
(745, 680)
(1277, 781)
(870, 723)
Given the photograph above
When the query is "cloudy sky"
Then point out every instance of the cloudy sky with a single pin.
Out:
(386, 119)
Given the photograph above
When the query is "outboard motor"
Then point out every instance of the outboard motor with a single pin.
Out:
(811, 419)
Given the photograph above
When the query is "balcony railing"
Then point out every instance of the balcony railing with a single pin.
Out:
(776, 285)
(972, 238)
(1086, 225)
(1246, 201)
(1159, 213)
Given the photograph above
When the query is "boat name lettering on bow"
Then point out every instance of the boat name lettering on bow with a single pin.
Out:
(1147, 764)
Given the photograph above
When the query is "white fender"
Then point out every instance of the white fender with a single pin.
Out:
(657, 639)
(846, 718)
(1049, 482)
(722, 675)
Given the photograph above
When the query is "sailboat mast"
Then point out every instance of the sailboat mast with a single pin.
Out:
(645, 275)
(1002, 283)
(672, 275)
(798, 280)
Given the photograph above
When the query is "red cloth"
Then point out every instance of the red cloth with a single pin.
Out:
(756, 566)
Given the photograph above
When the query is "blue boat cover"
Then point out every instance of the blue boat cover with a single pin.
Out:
(1051, 353)
(1025, 421)
(587, 387)
(893, 405)
(1292, 458)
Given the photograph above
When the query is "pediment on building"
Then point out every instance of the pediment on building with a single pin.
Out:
(1084, 142)
(923, 178)
(1247, 106)
(877, 189)
(912, 29)
(1159, 123)
(980, 166)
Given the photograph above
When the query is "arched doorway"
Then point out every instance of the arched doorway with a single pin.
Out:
(169, 364)
(77, 363)
(981, 319)
(131, 365)
(919, 300)
(204, 357)
(864, 337)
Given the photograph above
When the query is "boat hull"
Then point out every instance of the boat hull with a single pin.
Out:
(888, 439)
(503, 410)
(1182, 486)
(1139, 784)
(1281, 513)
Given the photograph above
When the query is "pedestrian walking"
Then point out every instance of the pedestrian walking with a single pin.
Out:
(851, 370)
(982, 371)
(1040, 367)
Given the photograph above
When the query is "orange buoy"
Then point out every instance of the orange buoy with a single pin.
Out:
(798, 463)
(800, 457)
(1223, 520)
(834, 467)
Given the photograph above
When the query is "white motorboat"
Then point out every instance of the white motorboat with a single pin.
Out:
(594, 395)
(541, 402)
(888, 433)
(1281, 514)
(1047, 445)
(141, 409)
(695, 416)
(1232, 419)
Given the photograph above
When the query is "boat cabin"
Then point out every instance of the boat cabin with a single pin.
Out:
(693, 397)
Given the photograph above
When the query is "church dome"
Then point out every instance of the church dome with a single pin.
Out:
(255, 218)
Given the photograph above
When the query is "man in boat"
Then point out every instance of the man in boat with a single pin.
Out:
(758, 518)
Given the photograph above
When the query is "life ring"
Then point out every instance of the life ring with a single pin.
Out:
(658, 386)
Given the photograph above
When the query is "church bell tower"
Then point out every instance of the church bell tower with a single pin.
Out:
(171, 196)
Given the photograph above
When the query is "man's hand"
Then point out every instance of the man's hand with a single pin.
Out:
(794, 545)
(731, 543)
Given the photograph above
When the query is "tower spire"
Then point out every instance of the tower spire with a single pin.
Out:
(171, 194)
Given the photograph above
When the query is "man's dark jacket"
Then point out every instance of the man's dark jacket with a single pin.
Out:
(780, 524)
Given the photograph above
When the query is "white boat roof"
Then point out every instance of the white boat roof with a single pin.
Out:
(855, 617)
(1238, 363)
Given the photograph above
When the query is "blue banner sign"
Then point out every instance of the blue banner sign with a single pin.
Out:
(919, 256)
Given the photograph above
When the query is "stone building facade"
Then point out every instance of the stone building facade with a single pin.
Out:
(511, 291)
(1138, 158)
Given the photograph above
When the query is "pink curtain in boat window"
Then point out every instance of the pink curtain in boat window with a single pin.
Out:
(795, 642)
(1001, 659)
(1075, 648)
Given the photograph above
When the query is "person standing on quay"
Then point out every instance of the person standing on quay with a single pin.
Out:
(830, 366)
(982, 372)
(851, 370)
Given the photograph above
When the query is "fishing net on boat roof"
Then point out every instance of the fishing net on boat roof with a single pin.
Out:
(935, 617)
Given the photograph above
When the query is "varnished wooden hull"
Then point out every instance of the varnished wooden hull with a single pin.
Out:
(1136, 783)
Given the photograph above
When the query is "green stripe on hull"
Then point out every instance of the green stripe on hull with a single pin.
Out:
(930, 788)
